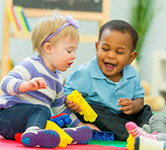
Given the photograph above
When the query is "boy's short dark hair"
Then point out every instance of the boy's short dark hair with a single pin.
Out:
(122, 27)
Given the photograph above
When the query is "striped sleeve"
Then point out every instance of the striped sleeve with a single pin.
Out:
(15, 77)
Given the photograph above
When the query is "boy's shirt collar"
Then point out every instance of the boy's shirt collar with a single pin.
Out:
(95, 70)
(128, 71)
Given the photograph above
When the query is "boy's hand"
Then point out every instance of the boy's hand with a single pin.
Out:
(32, 85)
(93, 127)
(127, 105)
(73, 106)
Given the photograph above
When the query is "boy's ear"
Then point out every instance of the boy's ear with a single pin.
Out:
(47, 47)
(133, 55)
(97, 46)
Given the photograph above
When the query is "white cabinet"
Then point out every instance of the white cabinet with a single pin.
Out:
(158, 78)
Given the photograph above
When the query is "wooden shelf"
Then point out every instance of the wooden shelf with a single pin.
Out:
(21, 35)
(89, 16)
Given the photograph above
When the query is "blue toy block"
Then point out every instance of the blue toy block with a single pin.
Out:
(61, 120)
(103, 136)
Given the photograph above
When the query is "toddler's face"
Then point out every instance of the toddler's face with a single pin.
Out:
(62, 54)
(114, 51)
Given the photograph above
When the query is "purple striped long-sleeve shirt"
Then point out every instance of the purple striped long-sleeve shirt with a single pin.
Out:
(52, 96)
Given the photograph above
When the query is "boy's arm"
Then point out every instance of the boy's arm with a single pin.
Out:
(135, 104)
(75, 81)
(78, 80)
(138, 104)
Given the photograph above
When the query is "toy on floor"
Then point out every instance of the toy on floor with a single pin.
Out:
(87, 111)
(17, 137)
(103, 136)
(65, 138)
(130, 142)
(61, 120)
(142, 143)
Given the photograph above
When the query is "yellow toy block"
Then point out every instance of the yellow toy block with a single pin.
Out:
(64, 137)
(87, 111)
(130, 142)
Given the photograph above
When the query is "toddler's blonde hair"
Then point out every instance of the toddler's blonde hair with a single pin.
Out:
(48, 25)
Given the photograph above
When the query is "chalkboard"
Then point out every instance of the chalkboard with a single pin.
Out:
(72, 5)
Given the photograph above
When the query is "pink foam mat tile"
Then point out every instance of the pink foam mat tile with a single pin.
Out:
(13, 145)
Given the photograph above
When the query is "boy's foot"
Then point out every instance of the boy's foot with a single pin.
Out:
(80, 135)
(135, 131)
(142, 143)
(42, 138)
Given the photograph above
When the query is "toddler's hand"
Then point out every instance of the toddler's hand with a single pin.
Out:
(93, 127)
(127, 105)
(73, 106)
(32, 85)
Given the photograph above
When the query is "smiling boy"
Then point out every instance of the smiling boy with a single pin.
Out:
(109, 82)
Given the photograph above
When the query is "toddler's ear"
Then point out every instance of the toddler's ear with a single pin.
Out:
(47, 47)
(133, 55)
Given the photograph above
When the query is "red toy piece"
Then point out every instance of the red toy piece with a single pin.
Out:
(17, 137)
(58, 115)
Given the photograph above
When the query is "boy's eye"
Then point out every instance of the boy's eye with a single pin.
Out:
(119, 52)
(105, 49)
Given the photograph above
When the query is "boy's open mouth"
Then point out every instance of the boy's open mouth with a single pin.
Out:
(109, 66)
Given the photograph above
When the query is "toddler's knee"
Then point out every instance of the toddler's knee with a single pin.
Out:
(44, 110)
